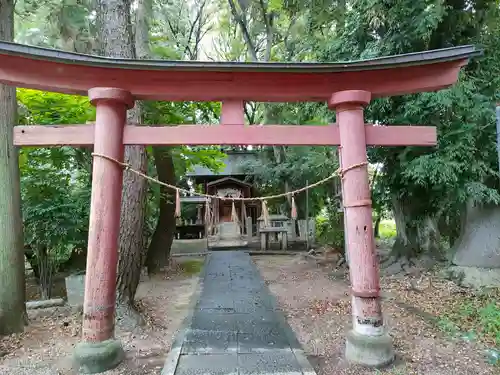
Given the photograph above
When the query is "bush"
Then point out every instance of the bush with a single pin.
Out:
(387, 229)
(330, 228)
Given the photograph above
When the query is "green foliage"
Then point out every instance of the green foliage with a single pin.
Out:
(55, 203)
(330, 228)
(45, 108)
(432, 182)
(477, 317)
(55, 182)
(66, 24)
(177, 28)
(280, 169)
(387, 229)
(191, 267)
(186, 157)
(298, 166)
(55, 186)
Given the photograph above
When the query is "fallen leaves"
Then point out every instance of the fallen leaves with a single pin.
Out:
(321, 307)
(47, 342)
(318, 308)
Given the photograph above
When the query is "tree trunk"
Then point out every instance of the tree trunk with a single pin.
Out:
(406, 242)
(116, 41)
(429, 237)
(159, 249)
(132, 239)
(46, 272)
(376, 227)
(161, 242)
(143, 14)
(414, 236)
(12, 277)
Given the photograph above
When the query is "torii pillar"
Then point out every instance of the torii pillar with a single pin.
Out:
(368, 343)
(99, 351)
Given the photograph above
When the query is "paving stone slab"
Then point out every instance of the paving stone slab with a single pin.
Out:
(217, 286)
(215, 304)
(245, 276)
(256, 298)
(219, 282)
(255, 326)
(242, 289)
(225, 298)
(246, 307)
(248, 286)
(264, 316)
(224, 310)
(275, 362)
(210, 342)
(222, 322)
(256, 343)
(208, 364)
(218, 271)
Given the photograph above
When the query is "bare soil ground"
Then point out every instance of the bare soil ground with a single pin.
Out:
(45, 348)
(316, 302)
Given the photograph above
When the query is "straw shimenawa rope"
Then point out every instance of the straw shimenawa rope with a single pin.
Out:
(338, 172)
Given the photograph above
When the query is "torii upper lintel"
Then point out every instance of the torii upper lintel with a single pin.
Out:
(65, 72)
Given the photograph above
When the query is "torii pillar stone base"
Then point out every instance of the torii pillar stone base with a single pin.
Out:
(368, 343)
(98, 350)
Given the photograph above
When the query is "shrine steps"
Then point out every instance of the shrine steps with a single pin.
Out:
(233, 244)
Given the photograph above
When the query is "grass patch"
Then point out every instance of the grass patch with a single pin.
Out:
(387, 229)
(191, 266)
(479, 314)
(477, 317)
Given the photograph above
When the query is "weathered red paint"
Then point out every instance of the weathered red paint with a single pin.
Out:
(299, 135)
(107, 179)
(232, 112)
(363, 265)
(284, 86)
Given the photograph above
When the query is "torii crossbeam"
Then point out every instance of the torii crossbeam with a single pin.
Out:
(114, 84)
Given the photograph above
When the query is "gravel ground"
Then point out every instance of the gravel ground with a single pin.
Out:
(45, 347)
(317, 307)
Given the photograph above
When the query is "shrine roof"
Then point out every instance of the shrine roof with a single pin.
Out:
(234, 165)
(415, 58)
(59, 71)
(224, 180)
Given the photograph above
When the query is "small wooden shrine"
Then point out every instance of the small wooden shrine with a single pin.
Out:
(228, 223)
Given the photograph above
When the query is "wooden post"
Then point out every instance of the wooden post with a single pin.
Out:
(242, 218)
(367, 343)
(284, 241)
(344, 214)
(248, 223)
(98, 350)
(233, 112)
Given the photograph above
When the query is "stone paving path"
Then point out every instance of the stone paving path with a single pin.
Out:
(236, 327)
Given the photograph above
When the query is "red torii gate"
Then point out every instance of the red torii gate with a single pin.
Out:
(114, 84)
